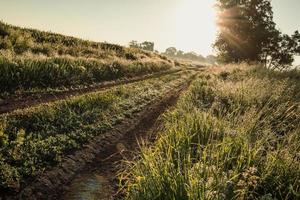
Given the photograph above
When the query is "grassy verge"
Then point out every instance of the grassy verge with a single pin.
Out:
(32, 59)
(234, 135)
(34, 139)
(34, 72)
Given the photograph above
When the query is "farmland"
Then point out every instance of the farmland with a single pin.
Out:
(233, 135)
(139, 125)
(36, 138)
(59, 93)
(35, 61)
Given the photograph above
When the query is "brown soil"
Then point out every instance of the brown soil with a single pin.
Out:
(104, 151)
(27, 100)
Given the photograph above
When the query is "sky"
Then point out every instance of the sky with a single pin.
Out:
(188, 25)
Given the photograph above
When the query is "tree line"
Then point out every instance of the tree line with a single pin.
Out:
(148, 46)
(174, 53)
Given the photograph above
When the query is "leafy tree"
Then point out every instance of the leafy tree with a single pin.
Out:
(248, 33)
(133, 44)
(296, 42)
(148, 46)
(171, 51)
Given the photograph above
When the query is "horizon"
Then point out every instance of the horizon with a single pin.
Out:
(169, 20)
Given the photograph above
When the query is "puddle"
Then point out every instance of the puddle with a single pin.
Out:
(94, 185)
(89, 187)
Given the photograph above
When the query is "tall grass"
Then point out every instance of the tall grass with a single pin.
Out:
(32, 59)
(37, 138)
(234, 135)
(27, 73)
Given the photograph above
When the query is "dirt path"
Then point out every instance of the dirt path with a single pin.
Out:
(27, 100)
(99, 182)
(99, 155)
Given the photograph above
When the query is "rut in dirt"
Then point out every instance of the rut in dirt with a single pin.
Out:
(26, 100)
(101, 154)
(99, 180)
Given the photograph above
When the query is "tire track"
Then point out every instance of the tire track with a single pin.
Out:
(25, 101)
(102, 152)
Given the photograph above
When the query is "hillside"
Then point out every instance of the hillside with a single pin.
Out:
(37, 60)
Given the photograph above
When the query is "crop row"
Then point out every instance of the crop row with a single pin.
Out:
(234, 135)
(27, 73)
(34, 139)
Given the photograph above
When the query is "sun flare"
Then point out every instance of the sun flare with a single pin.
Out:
(195, 25)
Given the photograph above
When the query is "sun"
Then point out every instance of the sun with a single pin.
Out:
(195, 25)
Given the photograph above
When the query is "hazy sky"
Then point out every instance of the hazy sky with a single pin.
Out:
(185, 24)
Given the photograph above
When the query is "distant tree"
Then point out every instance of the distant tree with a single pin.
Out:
(171, 51)
(179, 53)
(148, 46)
(190, 55)
(134, 44)
(248, 33)
(211, 59)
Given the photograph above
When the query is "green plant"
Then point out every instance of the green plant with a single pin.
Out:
(233, 138)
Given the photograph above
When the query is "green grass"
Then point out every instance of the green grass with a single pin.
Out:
(32, 59)
(234, 135)
(35, 139)
(24, 73)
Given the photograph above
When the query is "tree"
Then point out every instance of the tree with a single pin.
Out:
(171, 51)
(148, 46)
(133, 44)
(179, 53)
(211, 59)
(296, 42)
(248, 33)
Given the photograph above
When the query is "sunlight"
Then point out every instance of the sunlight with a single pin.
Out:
(195, 26)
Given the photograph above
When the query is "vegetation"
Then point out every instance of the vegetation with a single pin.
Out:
(23, 72)
(147, 46)
(172, 52)
(233, 135)
(265, 44)
(37, 138)
(34, 59)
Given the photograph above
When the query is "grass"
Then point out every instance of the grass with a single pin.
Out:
(32, 59)
(234, 135)
(24, 72)
(35, 139)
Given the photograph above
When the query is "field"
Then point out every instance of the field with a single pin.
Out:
(58, 93)
(233, 135)
(35, 61)
(87, 120)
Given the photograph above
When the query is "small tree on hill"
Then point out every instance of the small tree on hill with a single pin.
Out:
(171, 51)
(148, 46)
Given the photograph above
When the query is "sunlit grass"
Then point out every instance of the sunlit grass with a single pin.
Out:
(233, 135)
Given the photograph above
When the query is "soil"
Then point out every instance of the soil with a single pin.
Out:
(20, 101)
(102, 155)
